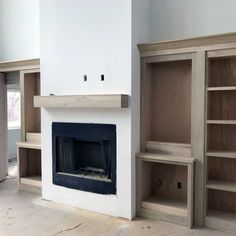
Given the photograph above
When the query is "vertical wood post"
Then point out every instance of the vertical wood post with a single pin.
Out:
(3, 128)
(197, 136)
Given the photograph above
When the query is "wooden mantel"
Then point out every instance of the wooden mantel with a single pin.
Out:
(82, 101)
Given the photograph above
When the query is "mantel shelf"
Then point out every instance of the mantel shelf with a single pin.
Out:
(82, 101)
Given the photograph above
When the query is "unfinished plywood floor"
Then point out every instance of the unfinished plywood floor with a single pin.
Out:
(26, 214)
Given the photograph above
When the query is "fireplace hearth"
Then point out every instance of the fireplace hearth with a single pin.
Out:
(84, 156)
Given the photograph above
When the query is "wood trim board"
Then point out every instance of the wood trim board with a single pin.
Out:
(3, 128)
(8, 66)
(82, 101)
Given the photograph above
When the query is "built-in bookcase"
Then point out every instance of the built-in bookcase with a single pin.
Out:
(29, 149)
(165, 165)
(188, 113)
(220, 143)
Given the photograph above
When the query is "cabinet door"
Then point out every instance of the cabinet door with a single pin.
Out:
(3, 128)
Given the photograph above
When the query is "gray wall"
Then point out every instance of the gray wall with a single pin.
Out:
(13, 137)
(176, 19)
(13, 83)
(19, 29)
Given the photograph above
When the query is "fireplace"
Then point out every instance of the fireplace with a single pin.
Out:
(84, 156)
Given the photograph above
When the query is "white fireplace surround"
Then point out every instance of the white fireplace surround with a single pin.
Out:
(92, 41)
(116, 205)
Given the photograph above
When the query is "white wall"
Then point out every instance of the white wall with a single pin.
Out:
(87, 37)
(177, 19)
(19, 29)
(140, 33)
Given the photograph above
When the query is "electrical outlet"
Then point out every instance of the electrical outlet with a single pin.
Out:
(179, 185)
(159, 182)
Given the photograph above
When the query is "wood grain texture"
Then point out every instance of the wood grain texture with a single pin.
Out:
(221, 185)
(145, 107)
(3, 128)
(33, 137)
(165, 205)
(82, 101)
(34, 180)
(176, 149)
(222, 221)
(190, 195)
(222, 53)
(29, 164)
(223, 88)
(221, 201)
(222, 122)
(30, 116)
(221, 105)
(198, 132)
(157, 215)
(159, 195)
(192, 44)
(221, 137)
(8, 66)
(31, 145)
(171, 102)
(165, 179)
(165, 158)
(222, 72)
(222, 169)
(221, 154)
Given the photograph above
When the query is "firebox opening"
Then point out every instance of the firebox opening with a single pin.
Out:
(84, 156)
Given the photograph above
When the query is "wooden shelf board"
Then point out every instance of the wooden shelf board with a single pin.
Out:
(7, 66)
(165, 158)
(167, 206)
(35, 181)
(180, 149)
(33, 137)
(82, 101)
(222, 122)
(30, 145)
(227, 88)
(223, 154)
(221, 185)
(221, 220)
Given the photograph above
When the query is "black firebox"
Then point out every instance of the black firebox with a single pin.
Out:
(84, 156)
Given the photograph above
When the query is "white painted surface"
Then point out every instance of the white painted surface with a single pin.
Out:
(13, 137)
(140, 33)
(189, 18)
(19, 29)
(88, 37)
(85, 37)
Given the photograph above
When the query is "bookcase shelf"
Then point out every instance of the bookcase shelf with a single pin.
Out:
(166, 187)
(34, 180)
(226, 154)
(226, 88)
(221, 147)
(167, 206)
(165, 166)
(221, 220)
(222, 122)
(188, 100)
(29, 148)
(221, 185)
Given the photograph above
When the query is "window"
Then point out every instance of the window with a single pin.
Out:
(13, 109)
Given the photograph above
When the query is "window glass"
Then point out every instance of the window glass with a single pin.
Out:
(13, 109)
